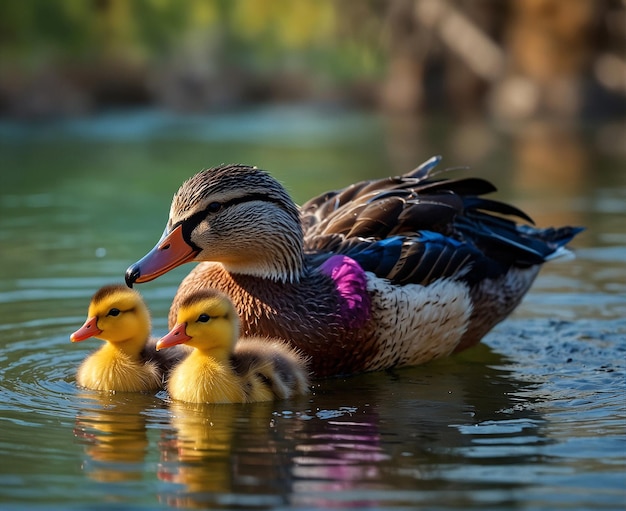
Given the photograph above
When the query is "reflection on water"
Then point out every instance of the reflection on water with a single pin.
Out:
(113, 430)
(551, 159)
(197, 455)
(533, 418)
(219, 450)
(368, 440)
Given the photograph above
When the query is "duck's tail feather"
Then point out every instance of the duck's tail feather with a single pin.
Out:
(506, 241)
(556, 239)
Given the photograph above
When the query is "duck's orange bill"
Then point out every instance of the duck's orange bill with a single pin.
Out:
(171, 251)
(177, 335)
(89, 329)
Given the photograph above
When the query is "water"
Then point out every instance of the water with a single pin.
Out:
(534, 418)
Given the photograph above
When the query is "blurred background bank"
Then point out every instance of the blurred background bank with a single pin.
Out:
(509, 60)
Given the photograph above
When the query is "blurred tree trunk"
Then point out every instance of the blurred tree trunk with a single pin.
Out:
(550, 46)
(523, 59)
(442, 55)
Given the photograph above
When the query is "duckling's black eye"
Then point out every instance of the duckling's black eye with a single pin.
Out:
(203, 318)
(214, 207)
(114, 312)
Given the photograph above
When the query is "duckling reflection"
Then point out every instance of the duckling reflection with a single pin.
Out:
(113, 431)
(200, 454)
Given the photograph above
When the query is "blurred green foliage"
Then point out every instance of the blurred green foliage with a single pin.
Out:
(257, 33)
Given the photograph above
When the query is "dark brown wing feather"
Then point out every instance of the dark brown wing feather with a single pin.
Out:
(416, 229)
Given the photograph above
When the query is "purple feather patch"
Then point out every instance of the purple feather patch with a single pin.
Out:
(351, 284)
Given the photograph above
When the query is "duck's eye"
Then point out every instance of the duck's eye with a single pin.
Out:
(114, 312)
(203, 318)
(214, 207)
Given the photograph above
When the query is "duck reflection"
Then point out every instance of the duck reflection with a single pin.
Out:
(113, 430)
(409, 430)
(352, 440)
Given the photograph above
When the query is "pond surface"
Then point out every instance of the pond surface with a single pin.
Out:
(533, 418)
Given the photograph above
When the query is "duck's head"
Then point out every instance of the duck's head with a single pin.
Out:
(116, 314)
(207, 321)
(236, 215)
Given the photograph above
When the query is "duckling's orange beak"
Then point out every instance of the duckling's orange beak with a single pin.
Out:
(177, 335)
(89, 329)
(171, 251)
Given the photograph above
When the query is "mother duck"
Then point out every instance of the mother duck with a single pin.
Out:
(383, 273)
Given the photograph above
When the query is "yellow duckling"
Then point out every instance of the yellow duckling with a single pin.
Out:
(223, 368)
(127, 362)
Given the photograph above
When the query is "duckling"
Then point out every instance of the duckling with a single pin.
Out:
(127, 362)
(223, 368)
